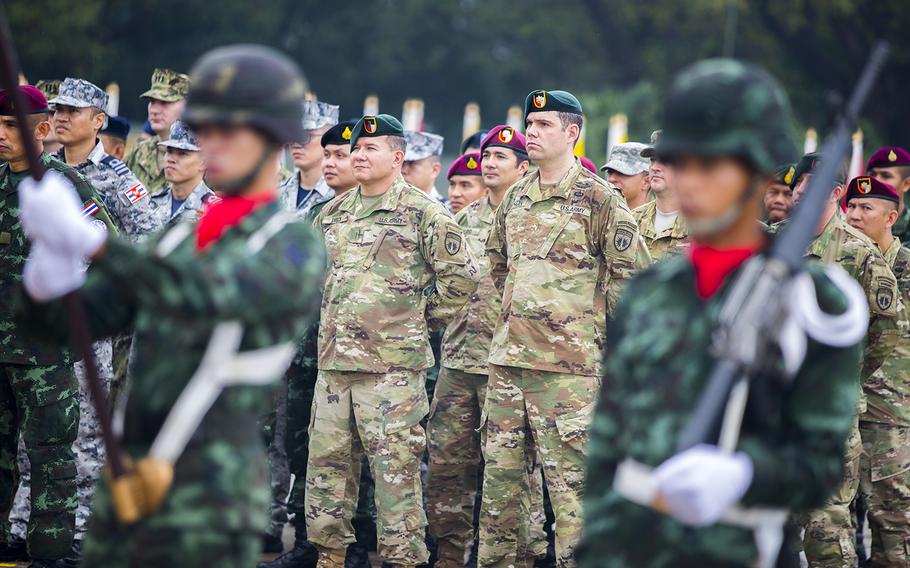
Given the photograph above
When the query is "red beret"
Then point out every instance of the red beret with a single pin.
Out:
(888, 156)
(467, 165)
(35, 101)
(506, 137)
(866, 186)
(588, 164)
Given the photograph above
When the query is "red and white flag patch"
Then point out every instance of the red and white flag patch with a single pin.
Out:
(135, 193)
(89, 209)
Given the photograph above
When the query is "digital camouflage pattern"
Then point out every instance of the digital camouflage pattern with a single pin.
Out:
(730, 108)
(174, 296)
(80, 93)
(422, 145)
(560, 256)
(145, 160)
(181, 138)
(671, 241)
(317, 114)
(377, 414)
(396, 270)
(627, 159)
(125, 197)
(287, 193)
(190, 210)
(657, 363)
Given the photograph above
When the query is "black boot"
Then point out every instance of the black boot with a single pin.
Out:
(14, 550)
(303, 555)
(357, 556)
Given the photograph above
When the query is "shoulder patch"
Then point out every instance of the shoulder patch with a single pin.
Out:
(135, 193)
(624, 235)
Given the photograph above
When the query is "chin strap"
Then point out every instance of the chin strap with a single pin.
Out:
(234, 186)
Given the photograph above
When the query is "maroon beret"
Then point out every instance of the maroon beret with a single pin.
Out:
(888, 156)
(506, 137)
(866, 186)
(588, 164)
(467, 165)
(35, 101)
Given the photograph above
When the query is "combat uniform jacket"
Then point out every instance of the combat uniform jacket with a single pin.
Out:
(288, 189)
(143, 161)
(395, 272)
(673, 240)
(190, 210)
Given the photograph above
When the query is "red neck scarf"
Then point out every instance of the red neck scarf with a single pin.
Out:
(712, 266)
(225, 213)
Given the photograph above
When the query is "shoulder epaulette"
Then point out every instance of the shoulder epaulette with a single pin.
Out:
(115, 164)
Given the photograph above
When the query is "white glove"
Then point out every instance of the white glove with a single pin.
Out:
(51, 214)
(700, 484)
(49, 275)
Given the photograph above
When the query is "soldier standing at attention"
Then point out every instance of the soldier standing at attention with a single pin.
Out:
(885, 426)
(114, 136)
(726, 127)
(307, 188)
(166, 100)
(779, 195)
(562, 246)
(661, 225)
(627, 169)
(246, 262)
(185, 196)
(465, 181)
(398, 267)
(891, 164)
(422, 163)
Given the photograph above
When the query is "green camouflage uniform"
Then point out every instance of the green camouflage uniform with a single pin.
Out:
(39, 394)
(560, 255)
(673, 240)
(885, 432)
(454, 430)
(174, 296)
(397, 267)
(829, 537)
(657, 364)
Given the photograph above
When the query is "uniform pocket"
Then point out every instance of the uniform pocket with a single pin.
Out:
(573, 427)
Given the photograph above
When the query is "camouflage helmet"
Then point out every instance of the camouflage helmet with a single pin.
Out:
(722, 107)
(248, 85)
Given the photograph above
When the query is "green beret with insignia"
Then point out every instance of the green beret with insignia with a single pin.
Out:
(379, 125)
(560, 101)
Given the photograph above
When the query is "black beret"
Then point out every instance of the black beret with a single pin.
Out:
(338, 135)
(117, 126)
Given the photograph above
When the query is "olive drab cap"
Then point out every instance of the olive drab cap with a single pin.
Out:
(722, 107)
(560, 101)
(379, 125)
(248, 85)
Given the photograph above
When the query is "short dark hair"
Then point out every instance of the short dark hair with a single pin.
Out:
(397, 143)
(520, 156)
(567, 118)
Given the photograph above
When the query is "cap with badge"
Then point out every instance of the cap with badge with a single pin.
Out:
(887, 157)
(379, 125)
(505, 137)
(79, 93)
(807, 165)
(466, 165)
(168, 86)
(422, 145)
(338, 135)
(784, 174)
(117, 126)
(182, 138)
(35, 102)
(648, 151)
(627, 159)
(317, 114)
(866, 186)
(560, 101)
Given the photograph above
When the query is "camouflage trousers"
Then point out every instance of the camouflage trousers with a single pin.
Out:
(455, 442)
(530, 411)
(187, 548)
(885, 488)
(89, 448)
(829, 540)
(378, 414)
(274, 431)
(42, 404)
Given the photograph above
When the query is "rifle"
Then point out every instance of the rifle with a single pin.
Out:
(78, 324)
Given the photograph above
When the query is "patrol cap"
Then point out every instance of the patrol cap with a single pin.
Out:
(473, 141)
(181, 138)
(80, 93)
(648, 151)
(887, 157)
(422, 145)
(808, 163)
(34, 100)
(560, 101)
(784, 174)
(506, 137)
(117, 126)
(50, 88)
(588, 164)
(338, 135)
(379, 125)
(168, 86)
(466, 165)
(317, 114)
(867, 186)
(627, 159)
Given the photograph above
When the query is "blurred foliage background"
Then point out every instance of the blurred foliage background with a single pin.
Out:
(618, 56)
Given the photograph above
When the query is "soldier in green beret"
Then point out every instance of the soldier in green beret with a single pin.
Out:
(166, 100)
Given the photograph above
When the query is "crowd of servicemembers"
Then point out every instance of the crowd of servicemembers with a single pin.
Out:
(472, 374)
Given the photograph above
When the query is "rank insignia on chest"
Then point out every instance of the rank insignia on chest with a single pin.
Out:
(453, 243)
(884, 297)
(623, 237)
(89, 209)
(135, 193)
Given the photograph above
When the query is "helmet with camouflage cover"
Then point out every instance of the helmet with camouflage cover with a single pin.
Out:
(248, 85)
(723, 107)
